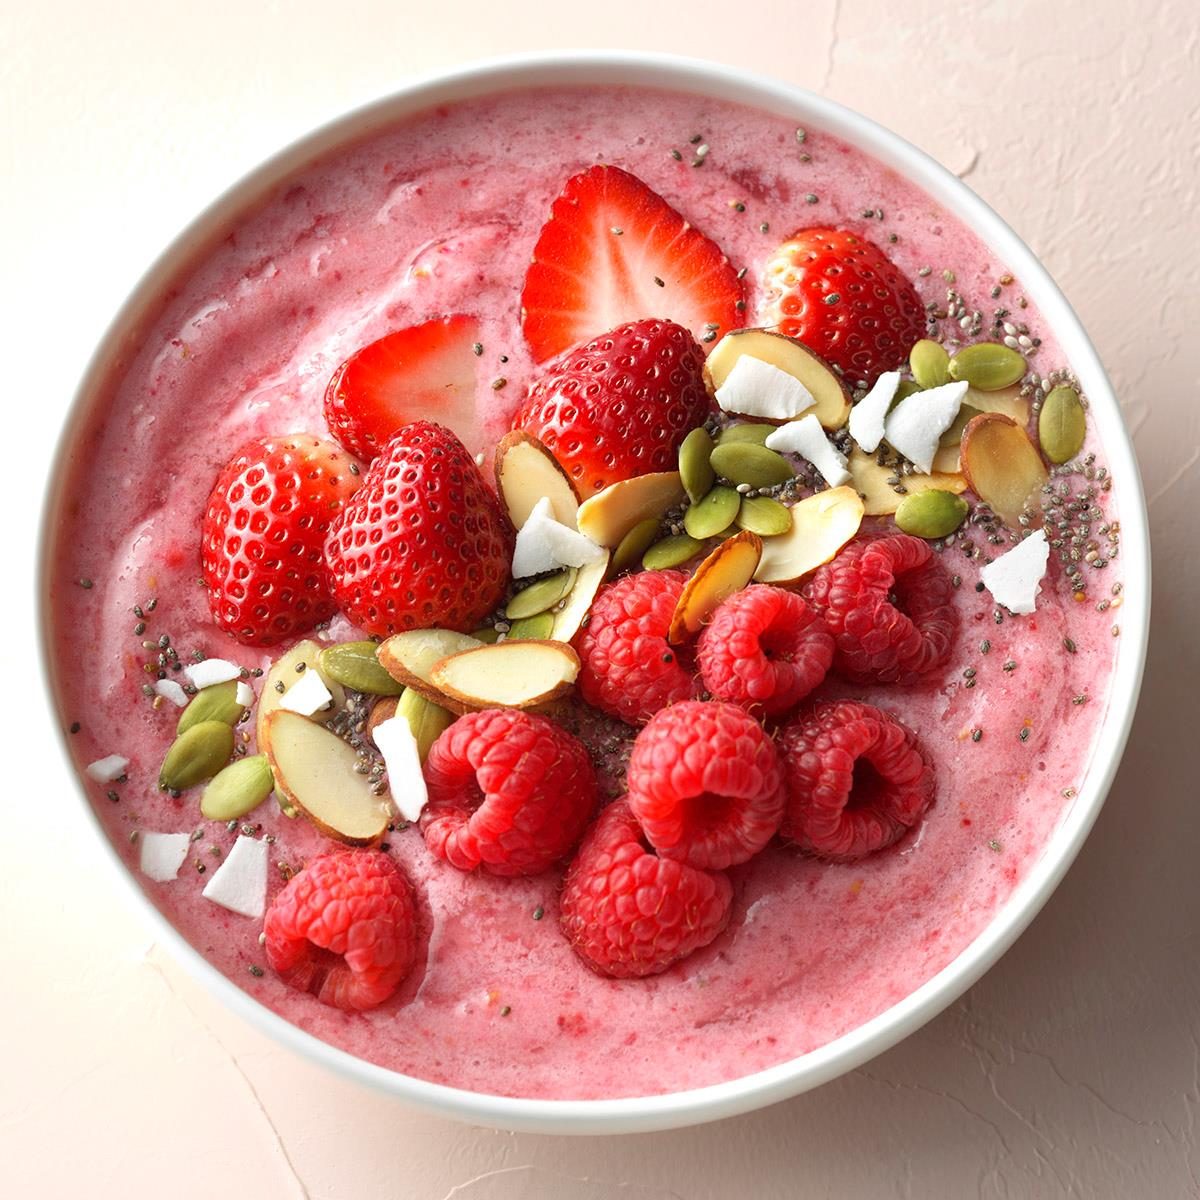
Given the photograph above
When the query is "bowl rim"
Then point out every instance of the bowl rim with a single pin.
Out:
(718, 81)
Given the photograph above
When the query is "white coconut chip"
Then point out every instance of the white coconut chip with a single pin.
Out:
(543, 544)
(211, 671)
(406, 781)
(162, 854)
(240, 882)
(867, 417)
(806, 438)
(1014, 579)
(168, 689)
(245, 694)
(914, 426)
(105, 770)
(307, 695)
(755, 388)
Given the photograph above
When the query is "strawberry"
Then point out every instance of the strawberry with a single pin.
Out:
(620, 405)
(423, 542)
(844, 298)
(262, 536)
(613, 251)
(424, 370)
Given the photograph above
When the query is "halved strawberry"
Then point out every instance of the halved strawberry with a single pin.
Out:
(424, 371)
(614, 251)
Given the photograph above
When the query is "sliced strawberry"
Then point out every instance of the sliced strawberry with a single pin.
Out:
(425, 370)
(614, 251)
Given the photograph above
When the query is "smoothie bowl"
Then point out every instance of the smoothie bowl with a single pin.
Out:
(611, 590)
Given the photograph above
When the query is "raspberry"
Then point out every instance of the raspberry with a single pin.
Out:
(706, 784)
(344, 928)
(508, 791)
(628, 912)
(764, 649)
(888, 604)
(627, 668)
(856, 780)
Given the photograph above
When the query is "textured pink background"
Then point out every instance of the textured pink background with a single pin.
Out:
(1073, 1068)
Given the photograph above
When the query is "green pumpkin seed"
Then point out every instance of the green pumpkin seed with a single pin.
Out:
(930, 364)
(953, 435)
(695, 471)
(487, 635)
(712, 514)
(988, 366)
(756, 466)
(633, 545)
(428, 721)
(931, 514)
(196, 755)
(356, 665)
(1062, 424)
(671, 552)
(237, 789)
(215, 703)
(764, 516)
(540, 625)
(538, 597)
(906, 388)
(745, 432)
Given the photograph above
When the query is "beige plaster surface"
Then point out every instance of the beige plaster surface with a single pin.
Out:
(1072, 1069)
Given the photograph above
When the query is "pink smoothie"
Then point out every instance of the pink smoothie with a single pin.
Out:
(437, 215)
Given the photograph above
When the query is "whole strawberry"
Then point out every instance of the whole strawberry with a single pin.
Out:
(843, 297)
(262, 536)
(423, 542)
(620, 405)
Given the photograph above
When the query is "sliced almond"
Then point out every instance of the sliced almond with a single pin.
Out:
(1002, 466)
(870, 481)
(314, 772)
(520, 674)
(827, 387)
(1008, 401)
(726, 570)
(411, 656)
(525, 472)
(609, 515)
(821, 525)
(569, 618)
(283, 670)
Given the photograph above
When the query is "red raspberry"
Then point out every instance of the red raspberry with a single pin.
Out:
(889, 605)
(856, 780)
(706, 784)
(508, 791)
(627, 912)
(627, 668)
(764, 649)
(344, 929)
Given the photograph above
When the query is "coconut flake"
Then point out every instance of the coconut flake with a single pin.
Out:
(211, 671)
(105, 770)
(867, 417)
(162, 854)
(755, 388)
(806, 438)
(307, 695)
(406, 781)
(545, 545)
(240, 882)
(245, 694)
(1014, 579)
(168, 689)
(914, 426)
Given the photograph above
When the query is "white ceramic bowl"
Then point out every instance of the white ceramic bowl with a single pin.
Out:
(878, 1034)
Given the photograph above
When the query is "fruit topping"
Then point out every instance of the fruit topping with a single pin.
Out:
(705, 784)
(423, 541)
(614, 251)
(509, 792)
(262, 536)
(629, 913)
(856, 780)
(619, 405)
